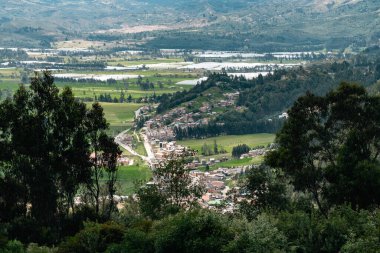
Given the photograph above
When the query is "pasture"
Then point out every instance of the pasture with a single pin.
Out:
(128, 176)
(238, 162)
(230, 141)
(120, 116)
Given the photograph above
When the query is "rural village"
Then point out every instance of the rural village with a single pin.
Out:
(221, 189)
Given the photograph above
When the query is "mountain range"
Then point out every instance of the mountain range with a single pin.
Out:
(237, 24)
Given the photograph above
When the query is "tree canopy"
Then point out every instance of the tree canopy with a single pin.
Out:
(329, 147)
(47, 139)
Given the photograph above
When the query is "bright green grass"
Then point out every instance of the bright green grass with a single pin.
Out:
(230, 141)
(236, 163)
(129, 175)
(239, 162)
(119, 114)
(90, 90)
(116, 129)
(138, 146)
(9, 84)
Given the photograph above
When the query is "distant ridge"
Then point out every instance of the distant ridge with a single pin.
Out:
(243, 25)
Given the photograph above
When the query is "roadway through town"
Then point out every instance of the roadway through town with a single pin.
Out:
(149, 159)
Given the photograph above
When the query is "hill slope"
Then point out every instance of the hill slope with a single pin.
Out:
(279, 24)
(225, 105)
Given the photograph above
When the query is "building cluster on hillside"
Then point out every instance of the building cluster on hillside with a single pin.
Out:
(205, 162)
(162, 126)
(218, 193)
(164, 150)
(144, 111)
(163, 133)
(232, 96)
(254, 153)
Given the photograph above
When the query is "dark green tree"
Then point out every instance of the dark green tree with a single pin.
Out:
(266, 188)
(46, 141)
(103, 159)
(216, 151)
(44, 147)
(240, 150)
(329, 147)
(173, 189)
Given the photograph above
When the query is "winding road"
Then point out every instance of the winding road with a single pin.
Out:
(149, 159)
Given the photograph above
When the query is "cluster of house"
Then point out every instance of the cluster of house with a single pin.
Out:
(232, 96)
(164, 150)
(254, 153)
(217, 195)
(205, 162)
(164, 133)
(161, 127)
(144, 111)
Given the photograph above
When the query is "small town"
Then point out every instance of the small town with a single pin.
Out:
(201, 126)
(221, 188)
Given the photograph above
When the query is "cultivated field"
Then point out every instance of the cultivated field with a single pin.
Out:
(230, 141)
(119, 114)
(128, 176)
(238, 162)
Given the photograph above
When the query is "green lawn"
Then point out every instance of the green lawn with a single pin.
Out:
(230, 141)
(119, 114)
(138, 146)
(239, 162)
(129, 175)
(10, 84)
(90, 90)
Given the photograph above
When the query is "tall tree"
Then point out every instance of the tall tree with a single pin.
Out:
(329, 147)
(173, 189)
(46, 143)
(103, 159)
(44, 146)
(266, 189)
(216, 151)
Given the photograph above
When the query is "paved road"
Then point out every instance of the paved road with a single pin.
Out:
(148, 159)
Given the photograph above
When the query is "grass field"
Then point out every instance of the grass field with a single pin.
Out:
(230, 141)
(238, 162)
(138, 145)
(119, 114)
(129, 175)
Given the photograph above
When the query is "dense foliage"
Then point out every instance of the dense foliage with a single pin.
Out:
(263, 99)
(330, 145)
(239, 150)
(172, 190)
(318, 191)
(52, 149)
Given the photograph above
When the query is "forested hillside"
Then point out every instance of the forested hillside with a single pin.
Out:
(318, 191)
(262, 100)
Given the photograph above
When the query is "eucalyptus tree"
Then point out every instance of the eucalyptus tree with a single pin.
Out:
(330, 147)
(46, 141)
